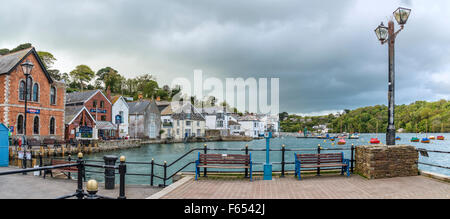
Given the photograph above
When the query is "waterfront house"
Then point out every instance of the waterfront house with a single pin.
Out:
(251, 126)
(181, 121)
(144, 119)
(80, 125)
(99, 106)
(45, 98)
(217, 118)
(120, 115)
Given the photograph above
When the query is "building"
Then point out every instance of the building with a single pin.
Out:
(45, 98)
(181, 121)
(251, 126)
(100, 108)
(120, 114)
(218, 118)
(270, 122)
(144, 120)
(80, 125)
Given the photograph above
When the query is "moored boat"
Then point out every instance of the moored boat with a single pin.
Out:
(415, 139)
(353, 136)
(425, 140)
(432, 137)
(398, 138)
(440, 138)
(374, 141)
(341, 141)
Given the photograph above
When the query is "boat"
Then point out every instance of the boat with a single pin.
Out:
(432, 137)
(353, 136)
(341, 141)
(398, 138)
(440, 138)
(415, 139)
(374, 141)
(332, 138)
(425, 140)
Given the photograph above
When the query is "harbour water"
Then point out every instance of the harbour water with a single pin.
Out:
(171, 152)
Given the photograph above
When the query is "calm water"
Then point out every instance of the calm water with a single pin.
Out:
(171, 152)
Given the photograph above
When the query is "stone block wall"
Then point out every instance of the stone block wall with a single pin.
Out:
(381, 161)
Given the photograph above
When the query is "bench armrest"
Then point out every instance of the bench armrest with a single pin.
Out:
(346, 161)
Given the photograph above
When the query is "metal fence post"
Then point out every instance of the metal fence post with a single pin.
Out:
(246, 153)
(351, 158)
(80, 192)
(40, 163)
(165, 173)
(282, 159)
(318, 160)
(151, 174)
(122, 172)
(70, 159)
(205, 151)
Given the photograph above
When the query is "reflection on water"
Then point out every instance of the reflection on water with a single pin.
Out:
(171, 152)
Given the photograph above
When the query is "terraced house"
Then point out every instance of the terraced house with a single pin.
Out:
(45, 97)
(181, 122)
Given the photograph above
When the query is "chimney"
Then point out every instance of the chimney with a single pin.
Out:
(108, 93)
(158, 98)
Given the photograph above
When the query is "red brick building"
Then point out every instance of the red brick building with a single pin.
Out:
(45, 117)
(79, 120)
(99, 107)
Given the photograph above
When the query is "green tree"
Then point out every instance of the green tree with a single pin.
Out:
(82, 74)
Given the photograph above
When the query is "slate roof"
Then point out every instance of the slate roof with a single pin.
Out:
(162, 105)
(72, 111)
(138, 107)
(8, 62)
(181, 111)
(79, 97)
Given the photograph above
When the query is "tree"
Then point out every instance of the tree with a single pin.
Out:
(81, 74)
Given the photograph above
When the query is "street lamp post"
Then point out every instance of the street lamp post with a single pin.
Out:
(26, 68)
(388, 35)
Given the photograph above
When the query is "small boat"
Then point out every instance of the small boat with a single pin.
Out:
(332, 138)
(374, 141)
(440, 138)
(415, 139)
(353, 136)
(425, 140)
(432, 137)
(341, 141)
(398, 138)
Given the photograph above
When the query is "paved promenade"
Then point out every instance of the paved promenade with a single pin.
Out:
(18, 186)
(312, 187)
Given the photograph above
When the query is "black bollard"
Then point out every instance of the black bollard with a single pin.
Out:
(110, 176)
(282, 160)
(122, 172)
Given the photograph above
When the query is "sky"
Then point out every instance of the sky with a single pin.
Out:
(325, 53)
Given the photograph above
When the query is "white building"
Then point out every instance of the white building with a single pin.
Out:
(120, 110)
(181, 121)
(218, 118)
(251, 126)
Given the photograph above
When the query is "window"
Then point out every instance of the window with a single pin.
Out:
(94, 104)
(21, 90)
(102, 104)
(36, 126)
(103, 118)
(29, 88)
(52, 126)
(52, 95)
(198, 123)
(188, 123)
(35, 92)
(20, 124)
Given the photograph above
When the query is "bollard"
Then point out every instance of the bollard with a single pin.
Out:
(151, 174)
(92, 189)
(122, 172)
(205, 151)
(282, 159)
(318, 160)
(110, 160)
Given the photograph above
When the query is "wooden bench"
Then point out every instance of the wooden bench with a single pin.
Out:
(64, 170)
(321, 160)
(33, 142)
(223, 161)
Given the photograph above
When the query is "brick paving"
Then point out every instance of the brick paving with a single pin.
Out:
(312, 187)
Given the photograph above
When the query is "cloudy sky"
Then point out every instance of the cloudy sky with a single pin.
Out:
(325, 53)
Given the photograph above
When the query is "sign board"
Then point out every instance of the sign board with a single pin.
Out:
(268, 135)
(423, 152)
(85, 132)
(28, 155)
(34, 111)
(11, 129)
(20, 155)
(118, 119)
(97, 111)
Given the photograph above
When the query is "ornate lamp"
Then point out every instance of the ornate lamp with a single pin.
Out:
(27, 67)
(382, 32)
(402, 15)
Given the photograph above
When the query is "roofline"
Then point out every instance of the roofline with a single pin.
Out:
(33, 50)
(98, 90)
(121, 97)
(83, 108)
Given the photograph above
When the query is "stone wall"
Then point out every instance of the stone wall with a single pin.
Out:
(381, 161)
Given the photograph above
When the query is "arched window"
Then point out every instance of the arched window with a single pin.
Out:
(52, 95)
(35, 92)
(94, 104)
(52, 126)
(22, 90)
(36, 125)
(29, 88)
(20, 124)
(102, 104)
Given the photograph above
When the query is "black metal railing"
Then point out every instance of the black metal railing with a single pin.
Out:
(424, 153)
(80, 165)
